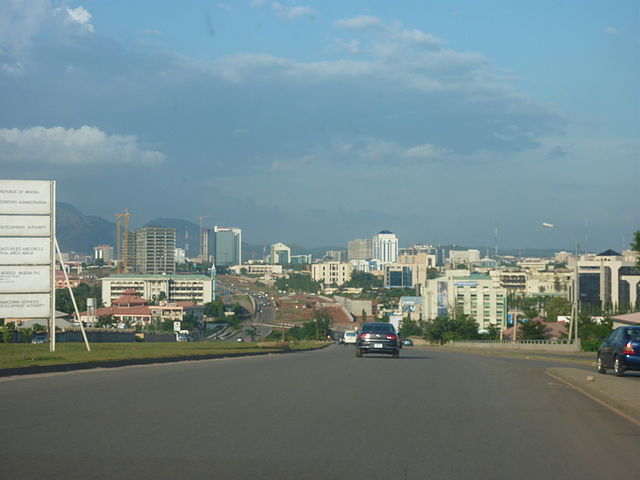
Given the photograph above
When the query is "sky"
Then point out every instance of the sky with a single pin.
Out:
(316, 122)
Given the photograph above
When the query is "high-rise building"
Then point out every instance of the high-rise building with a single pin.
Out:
(228, 246)
(360, 249)
(104, 253)
(385, 246)
(280, 254)
(335, 255)
(155, 250)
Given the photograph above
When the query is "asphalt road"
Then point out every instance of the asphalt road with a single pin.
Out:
(317, 415)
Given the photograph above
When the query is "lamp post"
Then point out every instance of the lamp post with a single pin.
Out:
(576, 284)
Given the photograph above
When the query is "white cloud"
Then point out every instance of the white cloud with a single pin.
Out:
(424, 152)
(361, 22)
(81, 16)
(611, 31)
(82, 146)
(292, 13)
(258, 3)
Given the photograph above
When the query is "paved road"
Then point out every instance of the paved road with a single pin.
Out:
(316, 415)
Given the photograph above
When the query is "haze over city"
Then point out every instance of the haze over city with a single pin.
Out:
(319, 122)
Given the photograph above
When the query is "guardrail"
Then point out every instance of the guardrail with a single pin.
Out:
(554, 345)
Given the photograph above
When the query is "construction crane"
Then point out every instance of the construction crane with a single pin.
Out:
(122, 243)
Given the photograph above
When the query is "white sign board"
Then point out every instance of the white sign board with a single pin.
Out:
(25, 225)
(21, 279)
(176, 326)
(25, 251)
(27, 219)
(25, 197)
(35, 305)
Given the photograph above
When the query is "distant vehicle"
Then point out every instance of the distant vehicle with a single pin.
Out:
(407, 342)
(183, 336)
(378, 337)
(620, 352)
(239, 339)
(41, 337)
(349, 338)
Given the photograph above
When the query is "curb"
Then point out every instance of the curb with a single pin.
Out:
(623, 399)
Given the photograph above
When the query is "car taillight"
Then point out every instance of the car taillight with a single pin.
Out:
(628, 349)
(362, 336)
(392, 337)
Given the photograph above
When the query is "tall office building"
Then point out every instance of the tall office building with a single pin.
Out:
(228, 246)
(385, 246)
(155, 250)
(360, 249)
(279, 254)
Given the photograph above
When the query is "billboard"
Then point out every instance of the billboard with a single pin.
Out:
(27, 265)
(443, 299)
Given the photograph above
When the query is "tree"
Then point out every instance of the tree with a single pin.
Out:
(445, 329)
(592, 333)
(555, 307)
(410, 327)
(635, 245)
(532, 330)
(363, 280)
(252, 331)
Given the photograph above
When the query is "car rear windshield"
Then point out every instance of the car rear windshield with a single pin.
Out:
(634, 334)
(378, 329)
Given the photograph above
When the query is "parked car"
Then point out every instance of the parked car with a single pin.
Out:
(40, 337)
(378, 337)
(349, 338)
(407, 342)
(620, 352)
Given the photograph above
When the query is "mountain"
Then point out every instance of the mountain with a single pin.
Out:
(79, 233)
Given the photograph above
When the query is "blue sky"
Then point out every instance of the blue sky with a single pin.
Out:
(318, 122)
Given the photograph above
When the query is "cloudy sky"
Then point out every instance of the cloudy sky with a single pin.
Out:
(316, 122)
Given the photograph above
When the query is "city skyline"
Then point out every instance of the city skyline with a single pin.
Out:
(449, 122)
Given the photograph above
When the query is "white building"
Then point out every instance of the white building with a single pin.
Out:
(257, 269)
(279, 254)
(331, 273)
(198, 289)
(609, 280)
(385, 246)
(463, 257)
(479, 296)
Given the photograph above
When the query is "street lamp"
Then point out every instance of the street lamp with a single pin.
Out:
(576, 284)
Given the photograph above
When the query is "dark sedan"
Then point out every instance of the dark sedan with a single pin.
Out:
(620, 352)
(378, 337)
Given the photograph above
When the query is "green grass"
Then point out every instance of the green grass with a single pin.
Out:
(14, 355)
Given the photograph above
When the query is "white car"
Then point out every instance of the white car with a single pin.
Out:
(350, 338)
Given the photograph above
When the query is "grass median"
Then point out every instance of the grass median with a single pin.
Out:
(17, 355)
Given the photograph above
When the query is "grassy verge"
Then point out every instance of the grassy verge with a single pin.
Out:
(16, 355)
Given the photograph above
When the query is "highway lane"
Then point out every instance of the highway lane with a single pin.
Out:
(324, 414)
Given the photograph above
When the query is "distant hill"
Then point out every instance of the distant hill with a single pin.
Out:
(79, 233)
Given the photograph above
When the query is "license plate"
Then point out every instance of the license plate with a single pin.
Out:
(377, 345)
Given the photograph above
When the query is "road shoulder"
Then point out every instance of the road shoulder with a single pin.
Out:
(618, 394)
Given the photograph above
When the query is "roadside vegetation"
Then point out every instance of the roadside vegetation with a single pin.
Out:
(15, 355)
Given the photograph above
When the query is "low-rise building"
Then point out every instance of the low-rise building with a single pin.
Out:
(331, 273)
(198, 289)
